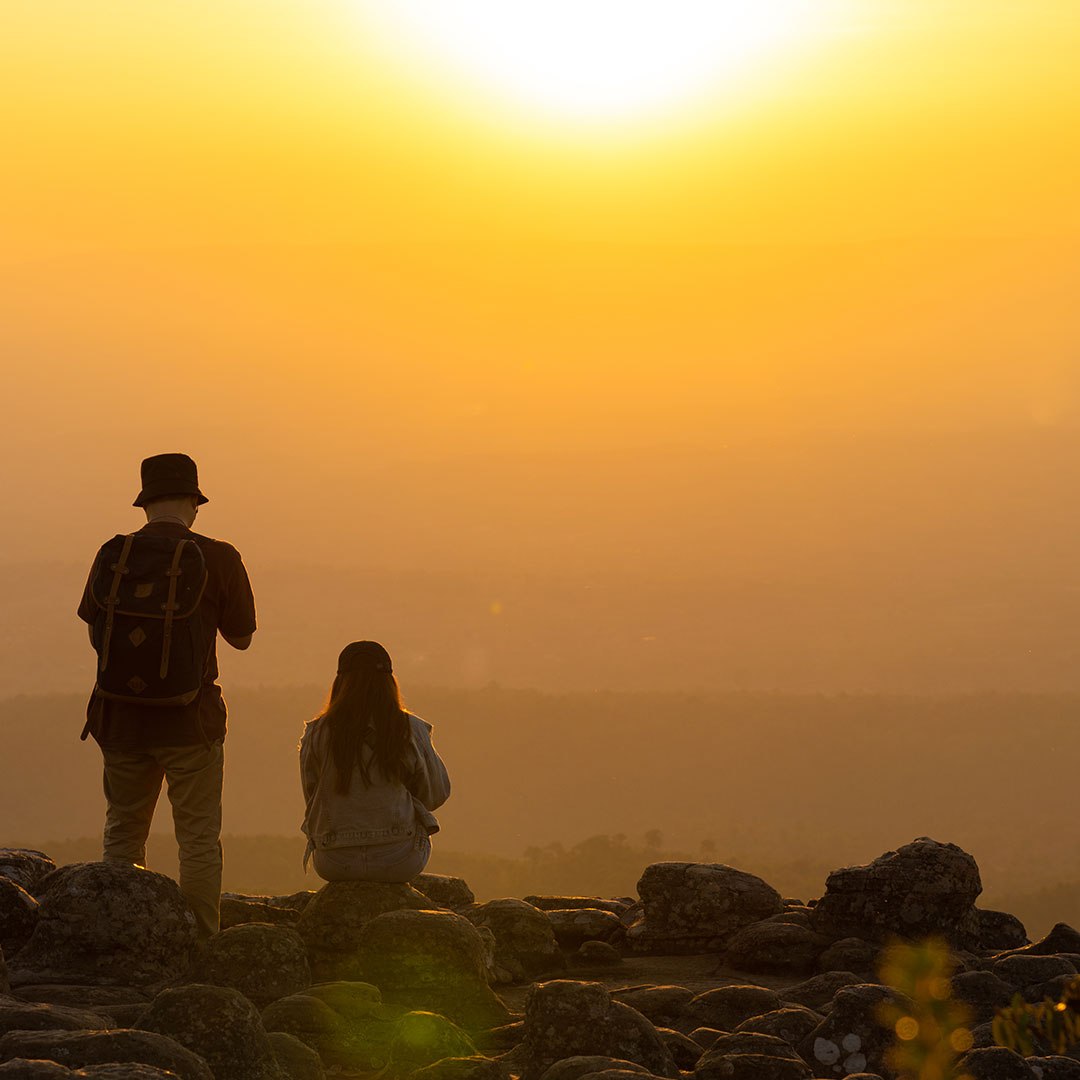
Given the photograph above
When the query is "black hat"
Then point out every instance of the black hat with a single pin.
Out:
(167, 475)
(364, 656)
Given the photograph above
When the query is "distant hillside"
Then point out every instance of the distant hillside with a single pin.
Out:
(755, 780)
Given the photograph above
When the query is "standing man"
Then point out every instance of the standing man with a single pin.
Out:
(155, 601)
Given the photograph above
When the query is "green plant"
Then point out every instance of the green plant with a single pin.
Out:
(1056, 1023)
(934, 1030)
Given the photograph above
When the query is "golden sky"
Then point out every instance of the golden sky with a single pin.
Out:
(259, 232)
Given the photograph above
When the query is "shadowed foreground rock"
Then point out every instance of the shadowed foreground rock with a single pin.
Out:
(107, 924)
(564, 1019)
(21, 1069)
(78, 1049)
(220, 1025)
(264, 962)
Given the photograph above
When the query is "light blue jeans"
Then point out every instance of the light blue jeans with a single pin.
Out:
(398, 861)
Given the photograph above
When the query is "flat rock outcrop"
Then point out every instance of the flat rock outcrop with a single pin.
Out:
(107, 924)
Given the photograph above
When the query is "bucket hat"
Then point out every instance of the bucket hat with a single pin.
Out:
(165, 475)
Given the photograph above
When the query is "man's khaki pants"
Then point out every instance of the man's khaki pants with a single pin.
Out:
(193, 776)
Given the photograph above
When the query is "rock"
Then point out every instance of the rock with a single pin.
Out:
(129, 1071)
(27, 1016)
(1022, 970)
(662, 1005)
(422, 1038)
(220, 1025)
(500, 1040)
(983, 993)
(24, 1069)
(345, 1023)
(923, 889)
(598, 954)
(706, 1036)
(97, 999)
(851, 1035)
(296, 1061)
(785, 948)
(333, 921)
(108, 924)
(751, 1056)
(1061, 939)
(428, 960)
(18, 916)
(996, 1063)
(849, 954)
(78, 1049)
(572, 926)
(820, 990)
(697, 907)
(525, 944)
(5, 982)
(565, 1019)
(1055, 1067)
(463, 1068)
(569, 903)
(236, 911)
(997, 931)
(685, 1052)
(451, 892)
(728, 1006)
(25, 866)
(579, 1066)
(262, 961)
(791, 1024)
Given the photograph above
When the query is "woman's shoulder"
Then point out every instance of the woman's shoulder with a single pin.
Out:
(419, 727)
(311, 730)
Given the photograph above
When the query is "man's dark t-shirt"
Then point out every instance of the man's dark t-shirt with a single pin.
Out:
(227, 605)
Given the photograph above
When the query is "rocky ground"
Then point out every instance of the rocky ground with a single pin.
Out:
(708, 973)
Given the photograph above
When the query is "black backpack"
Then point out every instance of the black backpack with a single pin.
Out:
(151, 645)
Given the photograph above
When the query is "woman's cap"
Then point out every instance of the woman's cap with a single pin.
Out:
(364, 656)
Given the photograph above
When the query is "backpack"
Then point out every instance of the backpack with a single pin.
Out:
(151, 644)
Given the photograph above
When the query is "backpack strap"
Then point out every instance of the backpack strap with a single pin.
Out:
(119, 569)
(173, 574)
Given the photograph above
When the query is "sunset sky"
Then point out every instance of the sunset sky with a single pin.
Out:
(430, 293)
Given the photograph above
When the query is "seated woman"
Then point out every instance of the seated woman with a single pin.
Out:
(370, 776)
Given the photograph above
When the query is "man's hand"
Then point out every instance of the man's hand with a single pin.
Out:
(240, 643)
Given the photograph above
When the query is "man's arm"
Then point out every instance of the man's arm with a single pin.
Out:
(240, 643)
(237, 621)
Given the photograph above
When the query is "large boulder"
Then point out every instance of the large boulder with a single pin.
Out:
(444, 891)
(220, 1025)
(923, 889)
(564, 1018)
(698, 907)
(18, 916)
(525, 944)
(429, 960)
(345, 1023)
(998, 930)
(264, 962)
(852, 1035)
(25, 866)
(78, 1049)
(983, 993)
(334, 919)
(781, 948)
(108, 924)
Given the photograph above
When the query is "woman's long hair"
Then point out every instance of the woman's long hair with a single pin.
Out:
(365, 710)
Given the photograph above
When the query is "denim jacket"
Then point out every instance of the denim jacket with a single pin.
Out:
(379, 812)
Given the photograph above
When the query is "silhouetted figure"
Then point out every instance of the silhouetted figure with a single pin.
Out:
(155, 601)
(370, 776)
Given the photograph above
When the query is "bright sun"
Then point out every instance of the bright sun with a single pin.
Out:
(602, 60)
